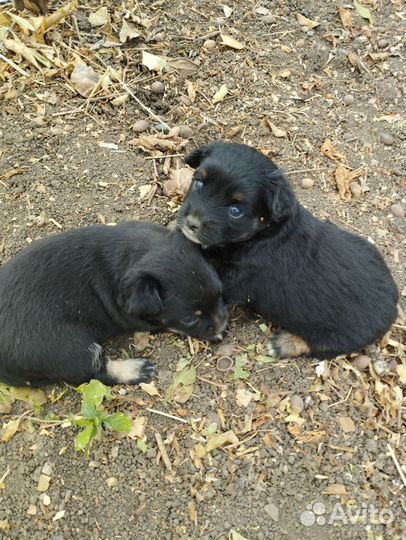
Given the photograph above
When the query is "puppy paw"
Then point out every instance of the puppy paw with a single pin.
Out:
(285, 345)
(130, 371)
(218, 338)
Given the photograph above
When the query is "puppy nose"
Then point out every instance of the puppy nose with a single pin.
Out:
(192, 222)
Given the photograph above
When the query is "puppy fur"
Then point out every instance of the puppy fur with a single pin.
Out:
(63, 296)
(329, 291)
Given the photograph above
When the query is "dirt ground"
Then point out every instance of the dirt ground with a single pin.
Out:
(319, 452)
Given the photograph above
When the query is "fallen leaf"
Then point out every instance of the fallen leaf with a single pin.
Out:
(362, 11)
(227, 11)
(328, 151)
(294, 429)
(239, 371)
(335, 489)
(153, 62)
(344, 177)
(182, 393)
(311, 437)
(84, 79)
(99, 17)
(128, 31)
(243, 397)
(142, 446)
(9, 429)
(346, 424)
(229, 41)
(149, 388)
(345, 15)
(145, 190)
(156, 144)
(32, 56)
(4, 524)
(220, 94)
(277, 131)
(178, 183)
(183, 64)
(220, 439)
(304, 21)
(356, 62)
(226, 349)
(234, 535)
(138, 428)
(191, 90)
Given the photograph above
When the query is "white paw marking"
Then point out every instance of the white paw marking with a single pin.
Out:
(271, 350)
(96, 351)
(125, 371)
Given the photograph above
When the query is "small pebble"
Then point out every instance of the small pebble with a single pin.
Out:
(300, 43)
(386, 139)
(397, 210)
(157, 87)
(269, 19)
(381, 366)
(111, 482)
(361, 362)
(311, 32)
(185, 132)
(209, 44)
(348, 99)
(382, 43)
(140, 126)
(122, 391)
(356, 189)
(297, 404)
(161, 128)
(307, 183)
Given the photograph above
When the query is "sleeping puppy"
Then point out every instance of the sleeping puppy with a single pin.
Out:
(63, 296)
(329, 291)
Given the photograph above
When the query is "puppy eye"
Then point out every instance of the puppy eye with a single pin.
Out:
(198, 185)
(235, 212)
(190, 321)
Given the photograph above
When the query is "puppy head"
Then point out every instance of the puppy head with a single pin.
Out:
(175, 288)
(235, 193)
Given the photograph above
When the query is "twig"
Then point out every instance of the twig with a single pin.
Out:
(163, 451)
(396, 462)
(8, 471)
(164, 157)
(12, 64)
(168, 415)
(308, 170)
(190, 343)
(212, 382)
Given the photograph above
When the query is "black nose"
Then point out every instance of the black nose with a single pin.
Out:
(192, 223)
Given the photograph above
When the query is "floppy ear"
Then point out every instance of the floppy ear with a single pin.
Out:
(141, 295)
(280, 197)
(197, 156)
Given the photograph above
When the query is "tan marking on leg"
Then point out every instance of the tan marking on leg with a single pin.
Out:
(292, 346)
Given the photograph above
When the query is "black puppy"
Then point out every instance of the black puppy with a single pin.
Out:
(329, 291)
(64, 295)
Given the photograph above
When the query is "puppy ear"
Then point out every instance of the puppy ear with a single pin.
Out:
(197, 156)
(141, 295)
(280, 197)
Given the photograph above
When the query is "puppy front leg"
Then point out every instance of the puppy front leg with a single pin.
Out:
(285, 345)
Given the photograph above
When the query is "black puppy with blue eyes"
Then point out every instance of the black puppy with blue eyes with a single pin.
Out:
(63, 296)
(329, 291)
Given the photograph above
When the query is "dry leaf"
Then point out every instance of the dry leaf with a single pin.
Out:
(304, 21)
(362, 11)
(335, 489)
(31, 55)
(128, 32)
(220, 94)
(344, 177)
(99, 17)
(346, 424)
(311, 437)
(243, 397)
(182, 393)
(58, 515)
(153, 62)
(277, 131)
(328, 151)
(191, 90)
(137, 431)
(178, 183)
(294, 429)
(156, 144)
(220, 439)
(44, 24)
(231, 42)
(345, 16)
(149, 388)
(145, 190)
(84, 79)
(9, 429)
(183, 64)
(227, 11)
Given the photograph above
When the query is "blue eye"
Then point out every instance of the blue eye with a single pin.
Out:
(235, 212)
(198, 185)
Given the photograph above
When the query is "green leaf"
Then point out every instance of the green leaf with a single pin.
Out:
(182, 393)
(88, 410)
(119, 422)
(33, 396)
(141, 445)
(211, 428)
(266, 359)
(362, 11)
(264, 328)
(186, 377)
(239, 371)
(234, 535)
(220, 94)
(182, 363)
(94, 392)
(83, 441)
